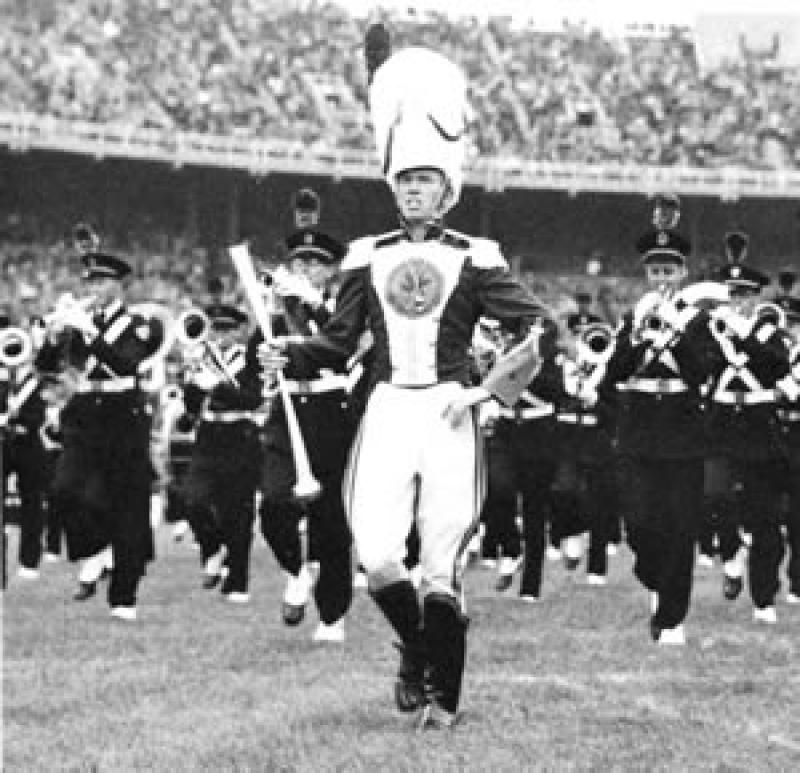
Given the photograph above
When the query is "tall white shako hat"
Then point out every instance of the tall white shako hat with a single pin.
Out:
(419, 109)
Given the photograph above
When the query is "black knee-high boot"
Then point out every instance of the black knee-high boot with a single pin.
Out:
(445, 631)
(400, 606)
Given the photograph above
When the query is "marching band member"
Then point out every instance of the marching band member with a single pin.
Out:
(326, 423)
(521, 460)
(223, 473)
(657, 367)
(23, 451)
(750, 375)
(789, 418)
(420, 290)
(585, 440)
(104, 468)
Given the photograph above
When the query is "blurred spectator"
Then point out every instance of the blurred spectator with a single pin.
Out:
(273, 69)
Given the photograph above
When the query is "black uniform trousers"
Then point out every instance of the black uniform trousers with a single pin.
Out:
(103, 481)
(24, 454)
(327, 427)
(758, 496)
(220, 491)
(518, 463)
(720, 518)
(663, 517)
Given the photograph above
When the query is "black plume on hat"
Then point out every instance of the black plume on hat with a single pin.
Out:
(736, 244)
(787, 278)
(377, 48)
(791, 306)
(306, 200)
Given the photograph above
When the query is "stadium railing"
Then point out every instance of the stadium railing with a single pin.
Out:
(26, 131)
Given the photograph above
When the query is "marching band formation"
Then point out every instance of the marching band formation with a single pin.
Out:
(427, 399)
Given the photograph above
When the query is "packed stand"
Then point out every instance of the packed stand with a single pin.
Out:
(262, 69)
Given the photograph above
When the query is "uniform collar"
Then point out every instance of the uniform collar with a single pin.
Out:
(434, 230)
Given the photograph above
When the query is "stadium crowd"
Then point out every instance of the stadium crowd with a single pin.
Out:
(273, 69)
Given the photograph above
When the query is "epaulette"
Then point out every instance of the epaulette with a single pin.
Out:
(387, 240)
(359, 253)
(485, 253)
(457, 240)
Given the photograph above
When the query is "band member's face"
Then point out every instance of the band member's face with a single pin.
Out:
(664, 276)
(225, 337)
(419, 194)
(105, 289)
(744, 300)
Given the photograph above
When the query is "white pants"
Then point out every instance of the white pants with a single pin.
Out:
(408, 461)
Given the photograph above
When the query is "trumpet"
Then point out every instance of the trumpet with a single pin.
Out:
(597, 342)
(771, 312)
(16, 347)
(193, 329)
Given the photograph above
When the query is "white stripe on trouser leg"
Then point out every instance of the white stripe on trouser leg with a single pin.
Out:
(403, 435)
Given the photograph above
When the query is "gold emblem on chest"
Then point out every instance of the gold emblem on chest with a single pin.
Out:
(414, 288)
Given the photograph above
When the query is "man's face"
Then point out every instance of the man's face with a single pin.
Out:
(104, 289)
(664, 275)
(313, 269)
(419, 194)
(744, 299)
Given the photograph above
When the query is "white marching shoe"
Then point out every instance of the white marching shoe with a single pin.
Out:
(26, 573)
(765, 615)
(236, 597)
(333, 632)
(596, 579)
(673, 636)
(792, 598)
(128, 614)
(295, 597)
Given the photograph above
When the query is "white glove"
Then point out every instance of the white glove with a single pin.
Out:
(459, 405)
(287, 284)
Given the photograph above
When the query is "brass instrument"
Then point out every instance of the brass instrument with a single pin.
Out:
(16, 347)
(597, 342)
(163, 316)
(306, 487)
(771, 312)
(193, 330)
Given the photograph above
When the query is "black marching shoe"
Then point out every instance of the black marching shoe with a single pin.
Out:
(444, 629)
(85, 591)
(409, 687)
(731, 587)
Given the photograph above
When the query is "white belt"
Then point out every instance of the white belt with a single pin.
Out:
(746, 398)
(786, 415)
(318, 385)
(578, 418)
(655, 386)
(534, 412)
(227, 417)
(123, 384)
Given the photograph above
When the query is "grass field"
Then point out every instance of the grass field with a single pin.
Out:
(572, 683)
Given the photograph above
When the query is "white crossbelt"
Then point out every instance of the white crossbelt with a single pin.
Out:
(318, 385)
(227, 417)
(759, 397)
(123, 384)
(655, 386)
